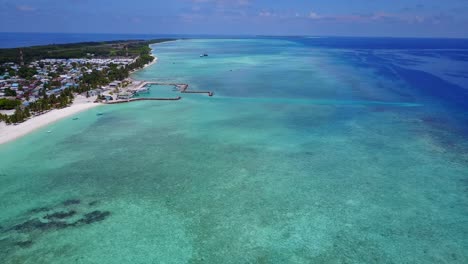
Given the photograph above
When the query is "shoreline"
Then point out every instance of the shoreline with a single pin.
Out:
(10, 133)
(155, 60)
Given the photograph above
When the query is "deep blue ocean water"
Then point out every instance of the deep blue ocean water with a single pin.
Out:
(313, 150)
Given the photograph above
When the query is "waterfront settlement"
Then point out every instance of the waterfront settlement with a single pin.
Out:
(39, 79)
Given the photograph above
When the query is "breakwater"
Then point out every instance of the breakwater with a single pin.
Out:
(181, 87)
(143, 99)
(184, 89)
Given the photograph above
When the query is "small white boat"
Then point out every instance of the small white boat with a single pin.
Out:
(142, 90)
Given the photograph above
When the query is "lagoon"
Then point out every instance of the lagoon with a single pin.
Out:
(307, 153)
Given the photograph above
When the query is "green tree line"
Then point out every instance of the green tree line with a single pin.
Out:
(46, 103)
(78, 50)
(7, 104)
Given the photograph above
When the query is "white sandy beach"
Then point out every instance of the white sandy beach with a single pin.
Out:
(12, 132)
(149, 64)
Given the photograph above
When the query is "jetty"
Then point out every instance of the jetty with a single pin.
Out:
(143, 99)
(183, 88)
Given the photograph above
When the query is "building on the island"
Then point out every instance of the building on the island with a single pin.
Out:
(15, 86)
(69, 84)
(36, 91)
(95, 92)
(54, 91)
(115, 84)
(31, 87)
(32, 99)
(57, 90)
(124, 95)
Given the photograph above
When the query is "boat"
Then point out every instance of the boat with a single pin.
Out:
(142, 90)
(203, 55)
(76, 118)
(99, 114)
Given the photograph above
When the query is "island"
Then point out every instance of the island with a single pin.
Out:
(36, 80)
(42, 84)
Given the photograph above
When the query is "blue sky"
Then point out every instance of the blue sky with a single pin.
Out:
(417, 18)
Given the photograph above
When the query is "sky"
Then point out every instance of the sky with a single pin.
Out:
(393, 18)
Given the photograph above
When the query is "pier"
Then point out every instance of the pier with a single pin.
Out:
(184, 89)
(181, 87)
(143, 99)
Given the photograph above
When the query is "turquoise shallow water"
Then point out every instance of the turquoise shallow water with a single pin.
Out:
(302, 156)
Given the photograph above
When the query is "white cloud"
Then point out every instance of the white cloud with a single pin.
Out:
(313, 15)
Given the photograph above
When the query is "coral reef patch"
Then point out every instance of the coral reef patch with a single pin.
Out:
(71, 213)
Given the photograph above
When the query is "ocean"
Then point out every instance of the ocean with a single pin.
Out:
(312, 150)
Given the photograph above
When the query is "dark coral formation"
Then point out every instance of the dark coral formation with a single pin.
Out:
(39, 210)
(28, 226)
(93, 203)
(24, 244)
(54, 221)
(37, 224)
(56, 218)
(93, 217)
(60, 215)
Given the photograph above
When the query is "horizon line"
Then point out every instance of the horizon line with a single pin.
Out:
(242, 35)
